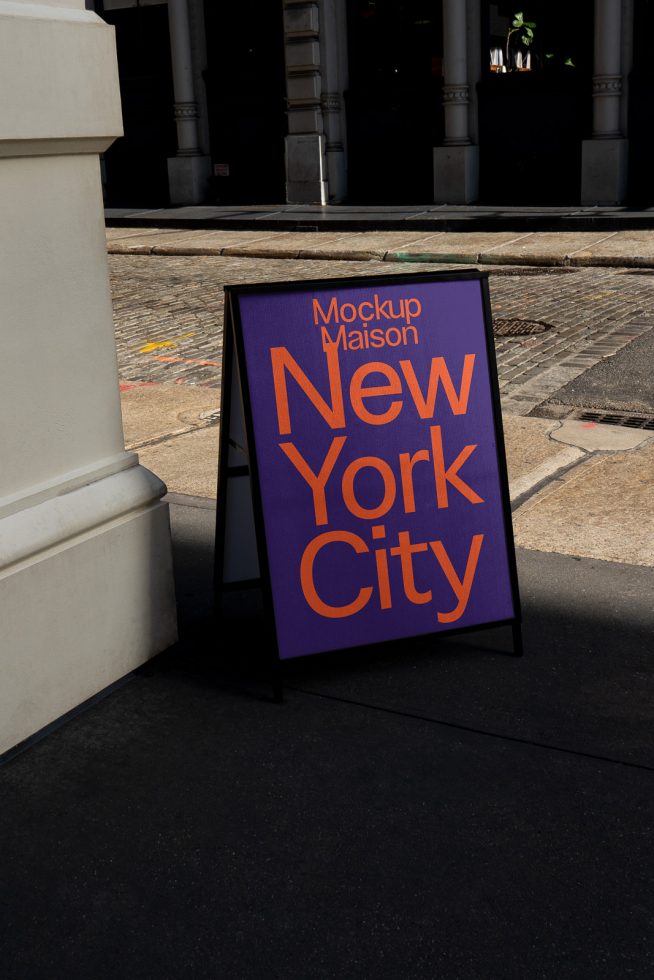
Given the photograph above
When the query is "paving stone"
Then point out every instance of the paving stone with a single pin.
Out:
(600, 509)
(543, 247)
(624, 244)
(531, 455)
(155, 412)
(463, 243)
(168, 315)
(287, 244)
(186, 463)
(378, 242)
(593, 437)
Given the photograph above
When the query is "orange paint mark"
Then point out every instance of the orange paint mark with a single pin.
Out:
(184, 360)
(126, 385)
(158, 344)
(589, 425)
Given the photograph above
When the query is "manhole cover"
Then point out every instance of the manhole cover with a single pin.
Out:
(518, 328)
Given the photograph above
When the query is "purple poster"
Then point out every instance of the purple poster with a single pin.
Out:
(377, 463)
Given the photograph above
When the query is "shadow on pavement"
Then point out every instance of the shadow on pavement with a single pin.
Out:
(398, 821)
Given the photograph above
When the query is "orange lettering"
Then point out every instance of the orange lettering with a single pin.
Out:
(449, 475)
(332, 311)
(318, 481)
(381, 561)
(405, 550)
(306, 575)
(426, 406)
(461, 589)
(407, 462)
(352, 504)
(282, 361)
(358, 392)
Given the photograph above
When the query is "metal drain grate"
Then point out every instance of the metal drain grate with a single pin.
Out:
(530, 270)
(518, 328)
(615, 418)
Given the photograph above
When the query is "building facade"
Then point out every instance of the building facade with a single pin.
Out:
(382, 101)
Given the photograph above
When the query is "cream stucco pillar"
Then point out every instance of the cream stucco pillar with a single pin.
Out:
(86, 590)
(456, 163)
(604, 157)
(190, 169)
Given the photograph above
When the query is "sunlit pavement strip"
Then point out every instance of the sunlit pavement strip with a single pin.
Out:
(168, 314)
(575, 249)
(591, 494)
(600, 509)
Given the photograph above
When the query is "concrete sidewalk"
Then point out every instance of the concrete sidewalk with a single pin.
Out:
(627, 248)
(578, 488)
(435, 810)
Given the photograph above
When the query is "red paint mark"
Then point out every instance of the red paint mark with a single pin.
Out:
(589, 425)
(184, 360)
(126, 385)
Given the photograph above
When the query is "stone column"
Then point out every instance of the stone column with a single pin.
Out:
(190, 169)
(86, 592)
(333, 60)
(456, 163)
(306, 168)
(604, 157)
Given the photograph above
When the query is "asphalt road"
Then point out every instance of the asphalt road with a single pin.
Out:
(623, 382)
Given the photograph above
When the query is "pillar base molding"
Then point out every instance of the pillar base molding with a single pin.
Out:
(188, 179)
(86, 587)
(604, 164)
(306, 181)
(86, 595)
(456, 174)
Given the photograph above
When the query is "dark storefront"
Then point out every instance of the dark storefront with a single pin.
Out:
(245, 83)
(532, 120)
(136, 167)
(394, 100)
(530, 107)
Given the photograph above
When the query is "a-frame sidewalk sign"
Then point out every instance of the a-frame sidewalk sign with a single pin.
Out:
(362, 473)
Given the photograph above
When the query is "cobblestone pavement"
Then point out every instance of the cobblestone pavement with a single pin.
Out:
(168, 316)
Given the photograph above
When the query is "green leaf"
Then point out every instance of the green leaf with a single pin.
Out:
(529, 23)
(570, 63)
(548, 56)
(526, 41)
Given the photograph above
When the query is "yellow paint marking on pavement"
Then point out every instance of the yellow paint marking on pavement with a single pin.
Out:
(159, 344)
